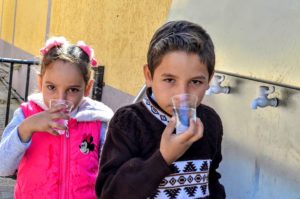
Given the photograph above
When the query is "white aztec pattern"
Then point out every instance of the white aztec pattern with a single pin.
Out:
(189, 180)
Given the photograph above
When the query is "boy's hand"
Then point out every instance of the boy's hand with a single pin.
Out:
(173, 146)
(42, 122)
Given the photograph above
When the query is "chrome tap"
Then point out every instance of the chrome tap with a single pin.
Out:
(215, 87)
(263, 100)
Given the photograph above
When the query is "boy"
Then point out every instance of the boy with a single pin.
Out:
(142, 157)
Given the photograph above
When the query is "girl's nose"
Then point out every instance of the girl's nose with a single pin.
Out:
(62, 96)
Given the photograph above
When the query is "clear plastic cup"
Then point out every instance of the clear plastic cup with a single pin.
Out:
(68, 106)
(184, 108)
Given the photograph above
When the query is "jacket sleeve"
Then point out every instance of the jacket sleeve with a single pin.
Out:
(122, 173)
(216, 189)
(11, 147)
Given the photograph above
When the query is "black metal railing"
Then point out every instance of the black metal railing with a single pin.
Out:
(12, 63)
(96, 92)
(98, 83)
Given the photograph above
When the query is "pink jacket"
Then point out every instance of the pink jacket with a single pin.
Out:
(59, 166)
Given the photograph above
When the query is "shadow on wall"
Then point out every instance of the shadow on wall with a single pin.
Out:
(250, 173)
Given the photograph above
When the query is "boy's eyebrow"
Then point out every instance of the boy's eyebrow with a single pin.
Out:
(196, 77)
(199, 77)
(168, 75)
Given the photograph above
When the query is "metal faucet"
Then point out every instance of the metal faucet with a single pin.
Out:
(215, 87)
(263, 100)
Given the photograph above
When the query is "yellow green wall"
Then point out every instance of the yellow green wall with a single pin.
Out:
(119, 31)
(31, 25)
(1, 8)
(7, 23)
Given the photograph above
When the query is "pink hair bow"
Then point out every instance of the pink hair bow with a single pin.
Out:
(52, 42)
(89, 51)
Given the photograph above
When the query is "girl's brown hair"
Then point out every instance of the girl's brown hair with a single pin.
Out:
(67, 52)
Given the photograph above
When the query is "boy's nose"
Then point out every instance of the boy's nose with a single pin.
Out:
(182, 89)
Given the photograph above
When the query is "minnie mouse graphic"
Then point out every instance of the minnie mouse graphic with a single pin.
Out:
(87, 144)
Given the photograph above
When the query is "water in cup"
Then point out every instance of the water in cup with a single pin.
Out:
(184, 108)
(183, 116)
(67, 107)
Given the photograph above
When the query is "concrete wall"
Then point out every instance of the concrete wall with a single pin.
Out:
(261, 154)
(7, 20)
(30, 25)
(255, 39)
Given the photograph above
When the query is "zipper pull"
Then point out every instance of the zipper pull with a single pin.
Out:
(67, 133)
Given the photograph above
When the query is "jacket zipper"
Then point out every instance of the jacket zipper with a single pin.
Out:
(65, 166)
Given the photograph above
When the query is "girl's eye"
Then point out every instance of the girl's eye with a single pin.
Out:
(73, 90)
(50, 87)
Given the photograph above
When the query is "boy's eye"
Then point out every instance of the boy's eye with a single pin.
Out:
(169, 80)
(50, 87)
(196, 82)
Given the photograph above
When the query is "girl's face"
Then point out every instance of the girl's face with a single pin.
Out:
(179, 72)
(63, 80)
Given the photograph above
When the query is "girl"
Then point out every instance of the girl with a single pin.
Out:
(51, 164)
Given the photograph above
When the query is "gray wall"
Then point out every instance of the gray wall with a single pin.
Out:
(261, 151)
(255, 39)
(115, 98)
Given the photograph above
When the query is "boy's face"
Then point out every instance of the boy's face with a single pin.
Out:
(178, 72)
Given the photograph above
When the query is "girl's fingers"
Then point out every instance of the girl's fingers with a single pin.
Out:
(57, 125)
(54, 126)
(57, 108)
(60, 115)
(53, 131)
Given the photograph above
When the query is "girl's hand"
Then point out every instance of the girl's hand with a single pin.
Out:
(173, 146)
(43, 122)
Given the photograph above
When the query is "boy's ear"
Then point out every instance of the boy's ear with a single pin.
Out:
(88, 87)
(148, 76)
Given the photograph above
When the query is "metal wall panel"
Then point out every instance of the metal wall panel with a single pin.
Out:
(260, 40)
(261, 151)
(252, 38)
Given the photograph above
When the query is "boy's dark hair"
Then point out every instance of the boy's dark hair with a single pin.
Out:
(181, 36)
